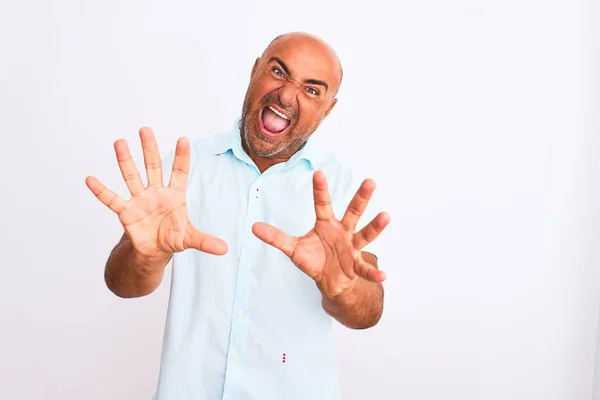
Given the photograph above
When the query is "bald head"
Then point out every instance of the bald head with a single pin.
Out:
(292, 89)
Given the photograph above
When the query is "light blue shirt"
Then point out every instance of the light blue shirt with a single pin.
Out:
(249, 325)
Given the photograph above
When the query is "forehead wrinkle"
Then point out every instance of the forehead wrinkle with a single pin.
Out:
(304, 39)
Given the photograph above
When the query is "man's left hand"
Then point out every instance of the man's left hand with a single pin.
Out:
(330, 253)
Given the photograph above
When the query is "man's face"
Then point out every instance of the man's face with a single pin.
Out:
(292, 89)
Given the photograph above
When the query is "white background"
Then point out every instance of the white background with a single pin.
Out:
(474, 117)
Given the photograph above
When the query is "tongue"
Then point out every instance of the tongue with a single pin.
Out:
(273, 122)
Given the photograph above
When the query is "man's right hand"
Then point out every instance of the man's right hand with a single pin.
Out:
(155, 218)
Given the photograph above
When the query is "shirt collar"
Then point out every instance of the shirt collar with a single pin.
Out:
(232, 140)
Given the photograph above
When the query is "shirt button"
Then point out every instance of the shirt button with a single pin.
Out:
(241, 313)
(247, 267)
(236, 358)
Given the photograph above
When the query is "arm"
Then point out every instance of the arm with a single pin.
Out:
(331, 254)
(155, 219)
(360, 307)
(129, 274)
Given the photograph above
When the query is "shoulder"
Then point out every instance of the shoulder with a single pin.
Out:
(198, 144)
(343, 177)
(208, 144)
(215, 143)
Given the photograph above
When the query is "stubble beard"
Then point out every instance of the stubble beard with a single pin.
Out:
(248, 140)
(279, 151)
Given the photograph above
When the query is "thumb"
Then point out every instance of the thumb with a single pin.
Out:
(275, 237)
(205, 242)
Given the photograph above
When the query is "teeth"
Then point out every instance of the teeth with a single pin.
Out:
(279, 113)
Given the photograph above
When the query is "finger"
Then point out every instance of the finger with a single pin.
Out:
(358, 204)
(152, 159)
(275, 237)
(371, 231)
(369, 272)
(322, 199)
(105, 195)
(128, 169)
(205, 242)
(181, 165)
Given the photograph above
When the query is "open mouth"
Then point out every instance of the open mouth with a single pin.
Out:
(273, 122)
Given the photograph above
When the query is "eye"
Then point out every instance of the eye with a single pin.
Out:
(277, 71)
(312, 91)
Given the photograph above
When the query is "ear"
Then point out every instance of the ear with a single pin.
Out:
(333, 103)
(254, 67)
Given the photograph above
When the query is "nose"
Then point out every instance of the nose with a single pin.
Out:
(287, 93)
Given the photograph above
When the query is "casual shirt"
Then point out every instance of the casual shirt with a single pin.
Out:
(249, 325)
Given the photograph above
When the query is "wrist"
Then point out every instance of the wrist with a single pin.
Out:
(332, 287)
(343, 298)
(149, 265)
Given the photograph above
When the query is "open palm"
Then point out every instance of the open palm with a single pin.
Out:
(330, 253)
(156, 218)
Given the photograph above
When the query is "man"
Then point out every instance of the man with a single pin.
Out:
(253, 293)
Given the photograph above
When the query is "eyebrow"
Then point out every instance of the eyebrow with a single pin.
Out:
(287, 71)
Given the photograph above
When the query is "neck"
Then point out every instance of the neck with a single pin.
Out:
(264, 163)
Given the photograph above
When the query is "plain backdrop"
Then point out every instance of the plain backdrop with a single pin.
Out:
(475, 118)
